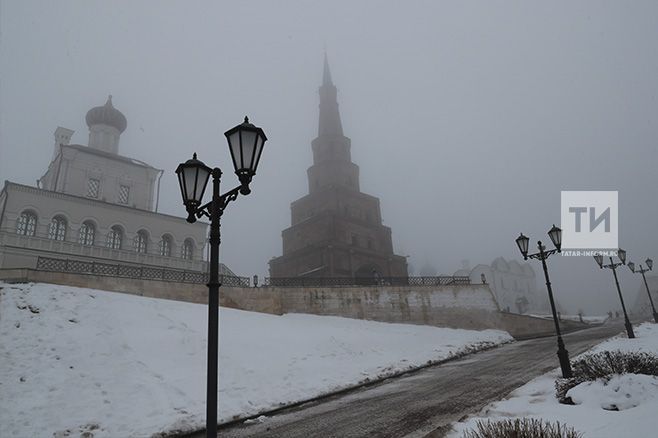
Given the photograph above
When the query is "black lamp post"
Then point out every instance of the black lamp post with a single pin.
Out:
(555, 234)
(613, 266)
(642, 270)
(246, 145)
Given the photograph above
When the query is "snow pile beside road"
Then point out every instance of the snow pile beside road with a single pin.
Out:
(625, 405)
(646, 340)
(76, 361)
(621, 392)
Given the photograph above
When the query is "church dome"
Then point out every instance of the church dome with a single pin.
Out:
(107, 115)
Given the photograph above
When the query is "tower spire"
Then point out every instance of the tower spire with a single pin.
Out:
(329, 123)
(326, 73)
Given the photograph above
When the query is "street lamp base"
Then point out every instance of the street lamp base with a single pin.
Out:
(565, 364)
(629, 330)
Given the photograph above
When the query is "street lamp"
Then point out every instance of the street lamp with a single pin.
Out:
(613, 266)
(246, 145)
(555, 235)
(642, 270)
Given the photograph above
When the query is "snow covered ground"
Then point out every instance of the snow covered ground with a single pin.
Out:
(636, 396)
(114, 365)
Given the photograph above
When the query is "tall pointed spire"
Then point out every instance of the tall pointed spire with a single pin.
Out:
(326, 74)
(329, 123)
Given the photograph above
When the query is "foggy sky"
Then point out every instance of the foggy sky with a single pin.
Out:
(467, 119)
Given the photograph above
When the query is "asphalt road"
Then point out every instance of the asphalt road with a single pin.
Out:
(425, 403)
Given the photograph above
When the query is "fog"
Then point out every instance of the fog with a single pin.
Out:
(467, 119)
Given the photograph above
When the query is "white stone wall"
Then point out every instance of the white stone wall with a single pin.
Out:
(512, 284)
(465, 306)
(76, 210)
(71, 171)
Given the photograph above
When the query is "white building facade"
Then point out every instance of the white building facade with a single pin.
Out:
(93, 204)
(514, 284)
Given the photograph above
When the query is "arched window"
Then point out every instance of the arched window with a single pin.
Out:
(114, 237)
(57, 228)
(140, 241)
(26, 225)
(87, 233)
(165, 246)
(187, 250)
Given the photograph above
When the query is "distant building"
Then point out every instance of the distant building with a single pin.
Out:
(93, 204)
(514, 284)
(336, 229)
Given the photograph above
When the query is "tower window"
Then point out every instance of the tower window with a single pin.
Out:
(187, 250)
(26, 224)
(93, 188)
(355, 240)
(124, 194)
(57, 228)
(140, 241)
(87, 233)
(165, 246)
(114, 237)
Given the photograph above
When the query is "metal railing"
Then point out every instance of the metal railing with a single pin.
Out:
(443, 280)
(134, 271)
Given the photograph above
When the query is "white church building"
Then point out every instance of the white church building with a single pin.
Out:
(96, 208)
(513, 284)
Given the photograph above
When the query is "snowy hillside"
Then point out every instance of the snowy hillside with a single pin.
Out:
(75, 360)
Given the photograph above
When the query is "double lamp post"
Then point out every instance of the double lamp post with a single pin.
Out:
(621, 254)
(642, 270)
(555, 235)
(245, 143)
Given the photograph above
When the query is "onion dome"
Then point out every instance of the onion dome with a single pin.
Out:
(107, 115)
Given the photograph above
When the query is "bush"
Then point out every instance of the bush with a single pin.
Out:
(521, 428)
(603, 366)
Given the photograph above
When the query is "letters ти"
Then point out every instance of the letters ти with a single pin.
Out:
(593, 220)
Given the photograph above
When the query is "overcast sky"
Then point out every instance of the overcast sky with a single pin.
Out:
(467, 119)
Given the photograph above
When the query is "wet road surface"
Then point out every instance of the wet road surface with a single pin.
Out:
(425, 403)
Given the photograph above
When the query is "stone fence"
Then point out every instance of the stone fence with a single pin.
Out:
(456, 306)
